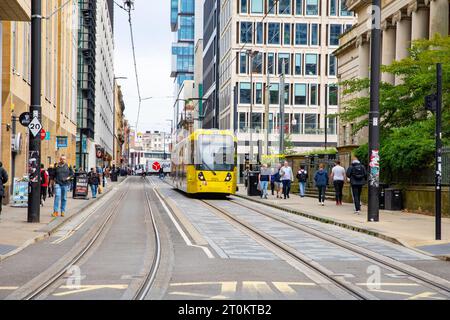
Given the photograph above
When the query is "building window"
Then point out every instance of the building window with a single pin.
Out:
(314, 41)
(271, 6)
(257, 63)
(332, 95)
(287, 94)
(311, 64)
(257, 6)
(332, 65)
(298, 7)
(312, 7)
(244, 92)
(344, 11)
(259, 33)
(332, 125)
(300, 94)
(283, 57)
(284, 7)
(296, 123)
(311, 123)
(271, 63)
(256, 121)
(242, 122)
(271, 122)
(335, 32)
(274, 93)
(244, 6)
(347, 27)
(314, 94)
(298, 63)
(246, 32)
(243, 63)
(259, 87)
(301, 34)
(333, 7)
(287, 34)
(274, 33)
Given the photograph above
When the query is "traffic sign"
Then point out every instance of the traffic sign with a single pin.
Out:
(156, 166)
(25, 119)
(43, 134)
(35, 126)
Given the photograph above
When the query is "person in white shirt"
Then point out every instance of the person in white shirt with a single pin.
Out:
(286, 179)
(338, 177)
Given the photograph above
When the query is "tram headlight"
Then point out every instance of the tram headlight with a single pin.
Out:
(201, 177)
(229, 177)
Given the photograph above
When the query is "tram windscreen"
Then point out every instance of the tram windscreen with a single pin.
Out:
(215, 153)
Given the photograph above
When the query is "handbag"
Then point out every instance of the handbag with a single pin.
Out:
(100, 189)
(259, 186)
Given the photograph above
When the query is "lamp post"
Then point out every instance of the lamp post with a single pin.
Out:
(251, 54)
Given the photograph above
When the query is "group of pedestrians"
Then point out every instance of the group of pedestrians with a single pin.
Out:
(281, 177)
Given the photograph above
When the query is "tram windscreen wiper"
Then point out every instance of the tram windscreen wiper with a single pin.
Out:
(208, 167)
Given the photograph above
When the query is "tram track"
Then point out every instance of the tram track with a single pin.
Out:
(422, 278)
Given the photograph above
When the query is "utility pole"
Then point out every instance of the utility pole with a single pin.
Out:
(438, 195)
(250, 53)
(34, 153)
(266, 116)
(282, 108)
(374, 114)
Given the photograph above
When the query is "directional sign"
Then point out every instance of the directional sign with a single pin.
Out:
(25, 119)
(35, 126)
(156, 166)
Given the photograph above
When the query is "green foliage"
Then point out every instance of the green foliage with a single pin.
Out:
(288, 145)
(407, 130)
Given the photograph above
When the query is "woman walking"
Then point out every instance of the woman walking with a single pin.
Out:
(321, 179)
(264, 178)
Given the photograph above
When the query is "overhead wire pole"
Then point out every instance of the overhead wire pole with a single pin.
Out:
(34, 153)
(282, 121)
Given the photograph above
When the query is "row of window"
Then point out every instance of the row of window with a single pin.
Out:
(294, 123)
(294, 7)
(298, 64)
(289, 34)
(298, 94)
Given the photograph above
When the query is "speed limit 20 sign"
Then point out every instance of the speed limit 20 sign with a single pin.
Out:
(35, 127)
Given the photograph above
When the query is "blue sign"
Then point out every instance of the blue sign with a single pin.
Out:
(47, 136)
(62, 142)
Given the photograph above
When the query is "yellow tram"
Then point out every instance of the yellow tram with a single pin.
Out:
(205, 163)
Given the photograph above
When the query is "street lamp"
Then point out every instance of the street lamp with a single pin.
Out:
(251, 53)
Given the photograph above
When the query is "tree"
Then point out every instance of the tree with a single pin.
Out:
(288, 145)
(406, 129)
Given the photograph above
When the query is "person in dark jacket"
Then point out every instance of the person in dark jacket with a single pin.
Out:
(276, 177)
(321, 180)
(63, 176)
(44, 184)
(93, 181)
(3, 181)
(302, 176)
(357, 174)
(51, 180)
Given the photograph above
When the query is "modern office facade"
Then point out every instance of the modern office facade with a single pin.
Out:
(301, 35)
(402, 22)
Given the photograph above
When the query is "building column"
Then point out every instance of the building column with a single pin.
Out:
(419, 14)
(402, 36)
(388, 50)
(438, 17)
(364, 56)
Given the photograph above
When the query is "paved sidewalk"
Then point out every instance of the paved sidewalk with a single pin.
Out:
(409, 229)
(16, 233)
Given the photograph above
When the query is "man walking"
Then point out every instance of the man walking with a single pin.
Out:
(358, 178)
(93, 181)
(286, 179)
(321, 180)
(63, 174)
(338, 178)
(3, 181)
(264, 178)
(302, 176)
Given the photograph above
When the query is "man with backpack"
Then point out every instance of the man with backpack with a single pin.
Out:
(302, 176)
(357, 175)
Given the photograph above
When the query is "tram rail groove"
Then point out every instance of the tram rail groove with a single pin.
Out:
(429, 279)
(340, 282)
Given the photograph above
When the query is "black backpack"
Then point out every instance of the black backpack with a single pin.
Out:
(301, 176)
(359, 172)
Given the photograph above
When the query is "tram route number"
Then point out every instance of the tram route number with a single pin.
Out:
(226, 310)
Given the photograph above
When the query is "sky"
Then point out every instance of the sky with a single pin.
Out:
(153, 39)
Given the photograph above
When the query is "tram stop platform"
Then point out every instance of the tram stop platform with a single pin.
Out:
(416, 231)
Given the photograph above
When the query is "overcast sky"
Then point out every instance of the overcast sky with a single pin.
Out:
(153, 39)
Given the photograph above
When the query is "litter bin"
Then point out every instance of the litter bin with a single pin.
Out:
(252, 188)
(393, 199)
(382, 195)
(114, 176)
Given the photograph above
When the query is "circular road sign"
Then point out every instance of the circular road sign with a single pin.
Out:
(156, 166)
(43, 134)
(25, 119)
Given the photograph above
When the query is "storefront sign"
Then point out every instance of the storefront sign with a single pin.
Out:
(62, 142)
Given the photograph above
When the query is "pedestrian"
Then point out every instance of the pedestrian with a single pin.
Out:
(93, 181)
(286, 179)
(51, 180)
(277, 181)
(4, 180)
(63, 175)
(338, 178)
(272, 181)
(357, 174)
(44, 184)
(302, 176)
(161, 173)
(321, 180)
(264, 178)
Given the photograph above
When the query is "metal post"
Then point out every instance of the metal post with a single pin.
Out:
(326, 125)
(266, 116)
(34, 153)
(282, 108)
(251, 109)
(438, 151)
(374, 114)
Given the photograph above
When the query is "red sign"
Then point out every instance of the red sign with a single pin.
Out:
(156, 166)
(43, 134)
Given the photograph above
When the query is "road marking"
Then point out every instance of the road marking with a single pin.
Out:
(180, 230)
(227, 291)
(286, 287)
(87, 288)
(8, 288)
(426, 295)
(387, 284)
(198, 295)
